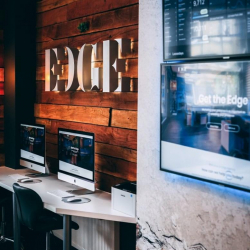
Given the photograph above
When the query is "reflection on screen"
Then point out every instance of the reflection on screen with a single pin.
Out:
(207, 106)
(32, 140)
(203, 28)
(32, 143)
(76, 150)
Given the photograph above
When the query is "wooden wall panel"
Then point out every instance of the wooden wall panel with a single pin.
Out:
(108, 20)
(131, 72)
(1, 88)
(94, 99)
(126, 138)
(111, 116)
(92, 115)
(1, 74)
(124, 119)
(1, 111)
(46, 5)
(83, 8)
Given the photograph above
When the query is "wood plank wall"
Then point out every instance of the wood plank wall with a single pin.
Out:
(1, 88)
(111, 116)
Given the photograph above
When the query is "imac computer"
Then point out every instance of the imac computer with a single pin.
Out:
(76, 155)
(32, 148)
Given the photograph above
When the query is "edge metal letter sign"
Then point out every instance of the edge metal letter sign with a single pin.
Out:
(81, 75)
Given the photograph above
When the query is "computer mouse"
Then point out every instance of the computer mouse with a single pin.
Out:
(74, 199)
(26, 180)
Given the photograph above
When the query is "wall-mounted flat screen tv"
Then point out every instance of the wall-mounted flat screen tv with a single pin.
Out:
(206, 28)
(205, 121)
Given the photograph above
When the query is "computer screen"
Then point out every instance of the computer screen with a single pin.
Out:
(32, 147)
(205, 121)
(206, 28)
(76, 155)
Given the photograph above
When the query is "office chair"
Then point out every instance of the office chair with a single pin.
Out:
(32, 214)
(3, 201)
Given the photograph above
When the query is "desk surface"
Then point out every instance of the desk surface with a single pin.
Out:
(99, 207)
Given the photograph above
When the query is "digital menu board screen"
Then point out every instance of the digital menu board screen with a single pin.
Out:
(205, 121)
(206, 28)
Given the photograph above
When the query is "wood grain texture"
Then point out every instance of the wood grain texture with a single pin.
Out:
(52, 150)
(1, 100)
(40, 60)
(1, 111)
(124, 119)
(83, 8)
(130, 32)
(115, 167)
(1, 124)
(1, 54)
(51, 17)
(111, 116)
(1, 137)
(79, 9)
(92, 115)
(1, 88)
(1, 74)
(116, 152)
(105, 181)
(126, 101)
(42, 46)
(132, 70)
(46, 5)
(52, 138)
(109, 20)
(103, 149)
(114, 136)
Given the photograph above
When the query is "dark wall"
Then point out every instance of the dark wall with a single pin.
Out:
(1, 87)
(20, 68)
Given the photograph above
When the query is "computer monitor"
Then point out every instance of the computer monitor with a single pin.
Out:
(32, 147)
(76, 154)
(205, 121)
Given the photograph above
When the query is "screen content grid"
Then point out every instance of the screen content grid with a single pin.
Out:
(205, 28)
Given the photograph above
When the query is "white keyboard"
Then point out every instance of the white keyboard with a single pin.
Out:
(59, 193)
(17, 177)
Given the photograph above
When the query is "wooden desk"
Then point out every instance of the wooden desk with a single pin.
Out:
(99, 207)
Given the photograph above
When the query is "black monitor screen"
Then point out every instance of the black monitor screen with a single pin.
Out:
(76, 153)
(32, 143)
(205, 121)
(205, 28)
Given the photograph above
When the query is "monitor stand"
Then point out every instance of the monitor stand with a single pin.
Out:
(80, 191)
